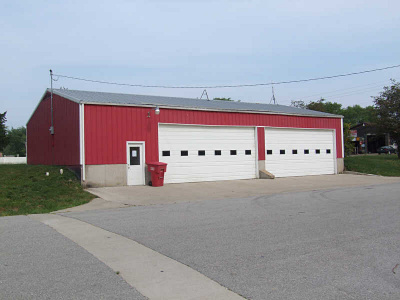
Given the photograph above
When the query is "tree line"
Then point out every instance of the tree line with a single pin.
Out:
(385, 113)
(12, 141)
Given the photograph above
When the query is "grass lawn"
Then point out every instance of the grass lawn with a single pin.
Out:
(26, 189)
(386, 165)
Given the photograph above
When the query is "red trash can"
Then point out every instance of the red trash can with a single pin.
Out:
(157, 170)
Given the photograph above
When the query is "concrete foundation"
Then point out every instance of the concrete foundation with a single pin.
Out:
(266, 175)
(262, 173)
(105, 175)
(261, 164)
(115, 175)
(340, 165)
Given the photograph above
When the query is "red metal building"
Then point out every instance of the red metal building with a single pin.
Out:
(110, 138)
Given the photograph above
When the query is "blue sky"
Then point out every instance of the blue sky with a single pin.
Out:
(197, 43)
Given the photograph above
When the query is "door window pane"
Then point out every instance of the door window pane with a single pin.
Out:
(134, 156)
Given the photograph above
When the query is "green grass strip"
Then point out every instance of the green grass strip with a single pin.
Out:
(25, 189)
(385, 165)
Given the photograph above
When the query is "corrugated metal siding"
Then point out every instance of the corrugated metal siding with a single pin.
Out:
(107, 128)
(63, 147)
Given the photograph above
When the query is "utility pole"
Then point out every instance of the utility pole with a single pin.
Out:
(51, 103)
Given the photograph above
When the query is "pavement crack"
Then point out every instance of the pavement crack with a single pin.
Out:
(394, 269)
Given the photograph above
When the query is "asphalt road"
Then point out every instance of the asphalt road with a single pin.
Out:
(36, 262)
(337, 244)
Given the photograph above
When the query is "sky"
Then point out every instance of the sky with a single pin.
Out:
(197, 43)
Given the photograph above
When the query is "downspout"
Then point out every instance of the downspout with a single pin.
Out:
(82, 140)
(342, 135)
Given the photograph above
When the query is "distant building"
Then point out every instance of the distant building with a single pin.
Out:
(367, 138)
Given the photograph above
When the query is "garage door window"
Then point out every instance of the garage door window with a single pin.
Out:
(248, 152)
(317, 151)
(166, 153)
(202, 152)
(233, 152)
(306, 151)
(328, 151)
(184, 153)
(282, 151)
(294, 151)
(269, 152)
(218, 152)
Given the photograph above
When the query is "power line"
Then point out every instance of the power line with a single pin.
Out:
(322, 94)
(344, 95)
(227, 86)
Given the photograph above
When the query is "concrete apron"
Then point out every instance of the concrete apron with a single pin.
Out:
(151, 273)
(192, 192)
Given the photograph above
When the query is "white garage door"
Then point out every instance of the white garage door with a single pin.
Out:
(207, 153)
(298, 152)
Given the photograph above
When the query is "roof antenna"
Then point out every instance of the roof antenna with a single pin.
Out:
(204, 93)
(273, 96)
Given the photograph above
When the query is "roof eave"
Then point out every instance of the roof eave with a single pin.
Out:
(207, 109)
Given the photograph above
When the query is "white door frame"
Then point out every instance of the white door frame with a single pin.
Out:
(143, 159)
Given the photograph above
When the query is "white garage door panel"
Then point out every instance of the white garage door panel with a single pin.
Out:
(300, 164)
(211, 167)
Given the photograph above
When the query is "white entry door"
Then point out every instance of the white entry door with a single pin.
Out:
(299, 152)
(135, 163)
(207, 153)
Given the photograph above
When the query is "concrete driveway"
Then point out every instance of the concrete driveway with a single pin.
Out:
(192, 192)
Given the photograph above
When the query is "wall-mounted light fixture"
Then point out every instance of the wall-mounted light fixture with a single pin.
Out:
(156, 111)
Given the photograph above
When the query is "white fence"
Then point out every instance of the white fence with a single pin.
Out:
(12, 160)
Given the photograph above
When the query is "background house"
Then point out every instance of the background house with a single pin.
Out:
(367, 138)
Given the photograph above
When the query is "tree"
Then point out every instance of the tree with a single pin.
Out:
(353, 115)
(299, 104)
(387, 107)
(16, 142)
(3, 131)
(356, 114)
(328, 107)
(347, 139)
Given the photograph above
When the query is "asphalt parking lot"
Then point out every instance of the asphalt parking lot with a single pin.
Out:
(329, 244)
(36, 262)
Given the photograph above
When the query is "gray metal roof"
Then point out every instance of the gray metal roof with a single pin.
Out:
(189, 103)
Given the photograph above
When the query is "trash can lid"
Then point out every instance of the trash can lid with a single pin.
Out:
(156, 163)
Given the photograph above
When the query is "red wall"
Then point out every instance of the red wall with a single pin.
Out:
(107, 128)
(63, 147)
